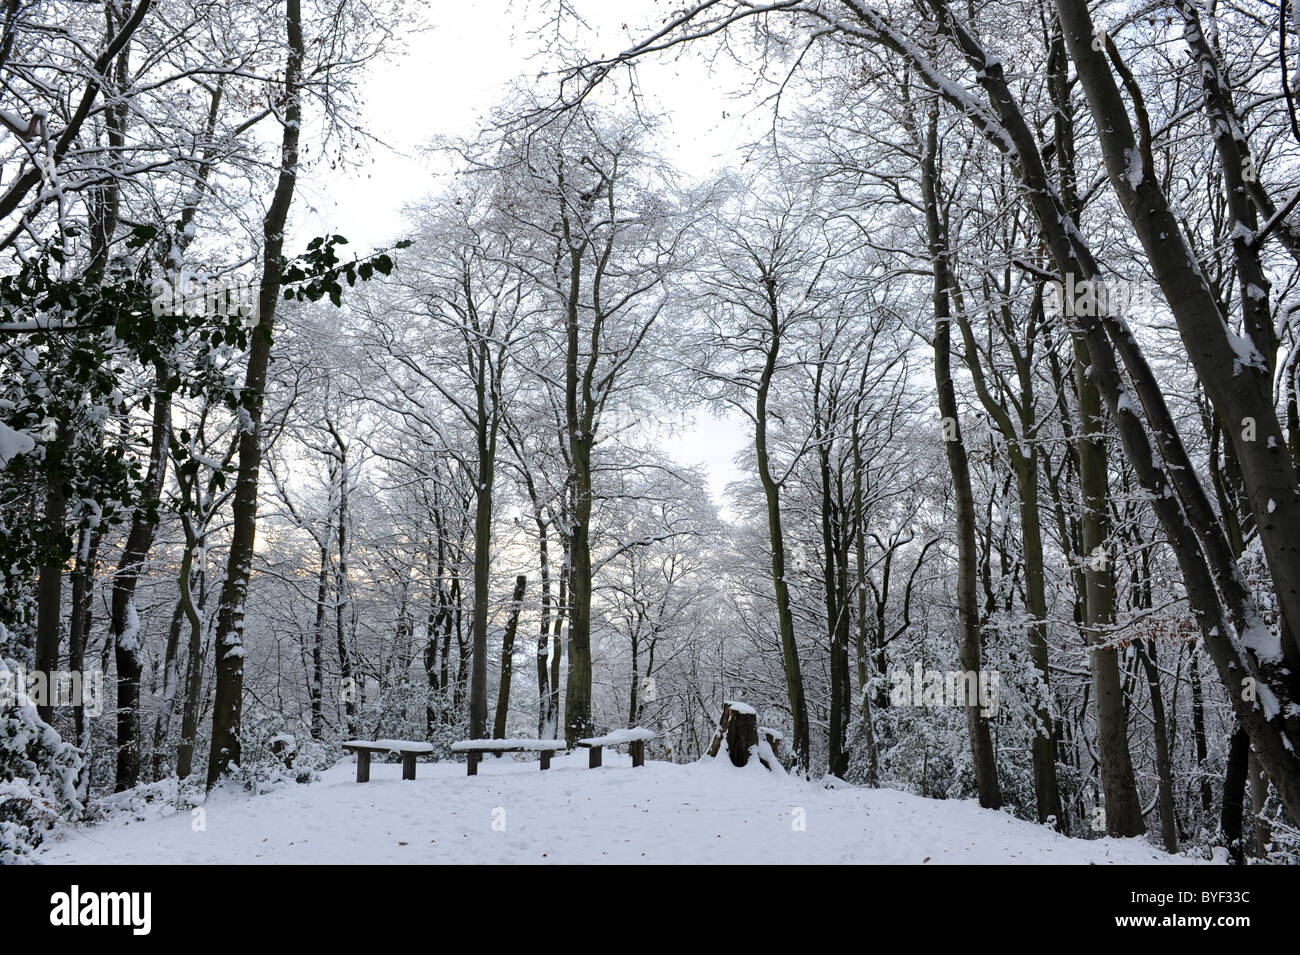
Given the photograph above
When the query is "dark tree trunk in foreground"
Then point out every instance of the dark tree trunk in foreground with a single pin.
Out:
(228, 702)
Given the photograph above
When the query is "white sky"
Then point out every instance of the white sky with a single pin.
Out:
(465, 62)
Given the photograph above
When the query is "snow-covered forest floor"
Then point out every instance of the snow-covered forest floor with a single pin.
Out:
(704, 812)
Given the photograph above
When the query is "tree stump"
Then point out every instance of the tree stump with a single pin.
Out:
(739, 727)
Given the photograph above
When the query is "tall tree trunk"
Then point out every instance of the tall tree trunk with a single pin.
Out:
(837, 756)
(776, 538)
(478, 705)
(1123, 809)
(579, 410)
(968, 649)
(228, 703)
(342, 585)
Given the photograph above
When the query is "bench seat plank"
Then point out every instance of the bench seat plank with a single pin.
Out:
(388, 746)
(508, 745)
(620, 737)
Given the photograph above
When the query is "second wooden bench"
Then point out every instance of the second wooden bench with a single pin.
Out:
(475, 748)
(633, 738)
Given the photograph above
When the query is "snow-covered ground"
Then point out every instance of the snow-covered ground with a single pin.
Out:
(708, 812)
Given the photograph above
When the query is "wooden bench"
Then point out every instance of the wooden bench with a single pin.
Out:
(633, 738)
(475, 748)
(364, 747)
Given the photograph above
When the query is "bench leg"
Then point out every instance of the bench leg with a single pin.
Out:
(408, 765)
(593, 757)
(363, 765)
(638, 752)
(546, 758)
(471, 764)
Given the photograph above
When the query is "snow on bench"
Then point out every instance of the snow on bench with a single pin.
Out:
(619, 737)
(364, 747)
(634, 738)
(474, 748)
(508, 745)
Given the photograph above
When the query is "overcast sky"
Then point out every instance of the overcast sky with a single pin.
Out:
(465, 59)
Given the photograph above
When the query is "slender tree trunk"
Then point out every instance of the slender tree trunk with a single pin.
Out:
(776, 537)
(557, 647)
(123, 627)
(1146, 650)
(508, 657)
(968, 649)
(837, 756)
(171, 680)
(1198, 734)
(543, 633)
(49, 588)
(342, 591)
(194, 667)
(79, 626)
(317, 687)
(860, 539)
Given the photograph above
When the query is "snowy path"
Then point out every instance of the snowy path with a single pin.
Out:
(702, 813)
